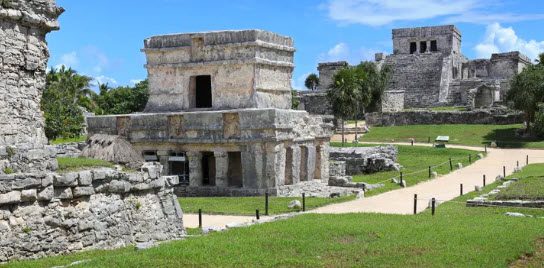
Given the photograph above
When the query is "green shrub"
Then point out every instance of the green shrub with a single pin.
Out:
(8, 170)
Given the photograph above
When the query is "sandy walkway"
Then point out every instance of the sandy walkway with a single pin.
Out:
(191, 220)
(443, 188)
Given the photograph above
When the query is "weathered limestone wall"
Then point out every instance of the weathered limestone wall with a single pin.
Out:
(49, 214)
(327, 70)
(425, 117)
(360, 160)
(23, 61)
(248, 69)
(393, 101)
(315, 102)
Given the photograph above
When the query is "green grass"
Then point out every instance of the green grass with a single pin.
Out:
(457, 236)
(248, 205)
(69, 140)
(414, 159)
(72, 164)
(474, 135)
(529, 187)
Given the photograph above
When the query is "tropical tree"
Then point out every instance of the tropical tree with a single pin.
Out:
(121, 100)
(73, 84)
(527, 91)
(344, 94)
(311, 82)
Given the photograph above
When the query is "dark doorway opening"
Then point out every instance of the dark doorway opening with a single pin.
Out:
(434, 47)
(234, 172)
(179, 166)
(203, 91)
(422, 46)
(413, 47)
(208, 168)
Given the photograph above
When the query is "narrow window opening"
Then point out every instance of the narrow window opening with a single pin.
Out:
(434, 47)
(413, 47)
(422, 46)
(208, 169)
(234, 172)
(201, 91)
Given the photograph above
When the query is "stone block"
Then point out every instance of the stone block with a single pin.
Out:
(12, 197)
(171, 180)
(29, 195)
(83, 191)
(68, 179)
(85, 178)
(46, 194)
(63, 193)
(24, 183)
(116, 186)
(135, 177)
(47, 180)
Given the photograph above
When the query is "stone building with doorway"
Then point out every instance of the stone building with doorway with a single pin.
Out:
(219, 115)
(429, 69)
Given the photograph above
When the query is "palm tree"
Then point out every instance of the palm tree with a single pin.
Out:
(344, 94)
(311, 82)
(73, 84)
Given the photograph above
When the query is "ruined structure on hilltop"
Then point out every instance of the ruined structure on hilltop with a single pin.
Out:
(23, 61)
(219, 115)
(428, 69)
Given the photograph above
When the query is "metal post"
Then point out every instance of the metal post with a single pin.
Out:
(266, 204)
(200, 218)
(451, 165)
(484, 180)
(433, 205)
(504, 172)
(430, 171)
(461, 189)
(415, 204)
(257, 214)
(303, 201)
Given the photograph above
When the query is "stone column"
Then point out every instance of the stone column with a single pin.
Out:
(195, 168)
(311, 162)
(324, 163)
(279, 164)
(296, 164)
(221, 168)
(252, 164)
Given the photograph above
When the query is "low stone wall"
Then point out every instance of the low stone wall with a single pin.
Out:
(426, 117)
(315, 188)
(72, 149)
(48, 214)
(359, 160)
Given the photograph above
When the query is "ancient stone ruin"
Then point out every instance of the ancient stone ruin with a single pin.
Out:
(428, 69)
(45, 213)
(219, 115)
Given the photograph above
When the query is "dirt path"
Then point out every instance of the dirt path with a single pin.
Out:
(444, 188)
(191, 220)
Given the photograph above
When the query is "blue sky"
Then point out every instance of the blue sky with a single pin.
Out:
(103, 38)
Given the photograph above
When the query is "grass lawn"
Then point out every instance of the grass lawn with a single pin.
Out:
(457, 236)
(69, 140)
(416, 159)
(529, 187)
(475, 135)
(73, 164)
(248, 205)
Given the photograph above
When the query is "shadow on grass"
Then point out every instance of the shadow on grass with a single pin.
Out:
(507, 138)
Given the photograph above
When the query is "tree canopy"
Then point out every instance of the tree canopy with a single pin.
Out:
(311, 82)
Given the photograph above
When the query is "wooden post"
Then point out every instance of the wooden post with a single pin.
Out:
(527, 160)
(266, 204)
(200, 218)
(484, 180)
(412, 142)
(303, 201)
(430, 171)
(517, 164)
(451, 165)
(415, 204)
(504, 172)
(401, 178)
(257, 214)
(433, 205)
(461, 189)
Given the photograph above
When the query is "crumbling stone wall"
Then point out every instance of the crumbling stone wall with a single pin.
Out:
(23, 61)
(359, 160)
(493, 116)
(49, 214)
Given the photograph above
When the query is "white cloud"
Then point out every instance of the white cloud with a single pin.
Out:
(68, 60)
(382, 12)
(298, 83)
(135, 81)
(504, 39)
(101, 79)
(342, 52)
(338, 52)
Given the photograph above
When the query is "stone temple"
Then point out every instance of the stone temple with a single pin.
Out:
(428, 69)
(219, 115)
